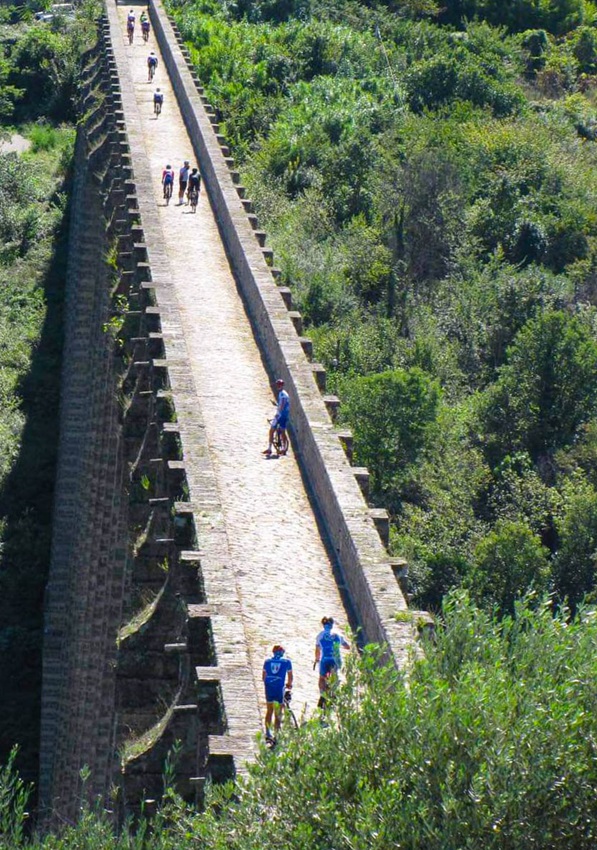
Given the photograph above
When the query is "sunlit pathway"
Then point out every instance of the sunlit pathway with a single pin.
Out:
(284, 574)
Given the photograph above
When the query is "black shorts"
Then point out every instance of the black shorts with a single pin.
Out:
(182, 185)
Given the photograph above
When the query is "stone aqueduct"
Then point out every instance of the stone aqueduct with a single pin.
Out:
(146, 651)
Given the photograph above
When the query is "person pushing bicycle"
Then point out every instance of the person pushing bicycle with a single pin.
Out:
(145, 25)
(130, 25)
(277, 677)
(280, 420)
(327, 654)
(152, 64)
(194, 183)
(168, 181)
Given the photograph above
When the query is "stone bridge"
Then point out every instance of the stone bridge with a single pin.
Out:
(180, 553)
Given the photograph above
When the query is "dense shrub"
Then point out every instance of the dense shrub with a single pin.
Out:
(487, 742)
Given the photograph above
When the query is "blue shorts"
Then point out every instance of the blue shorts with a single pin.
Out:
(280, 420)
(274, 694)
(327, 665)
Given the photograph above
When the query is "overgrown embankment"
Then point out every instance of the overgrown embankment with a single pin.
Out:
(427, 177)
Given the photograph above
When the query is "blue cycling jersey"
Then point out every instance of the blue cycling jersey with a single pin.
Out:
(329, 644)
(276, 670)
(283, 402)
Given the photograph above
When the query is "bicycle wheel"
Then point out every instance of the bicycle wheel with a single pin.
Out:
(277, 441)
(291, 717)
(194, 200)
(168, 192)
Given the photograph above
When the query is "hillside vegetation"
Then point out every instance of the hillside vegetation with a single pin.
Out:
(428, 179)
(489, 742)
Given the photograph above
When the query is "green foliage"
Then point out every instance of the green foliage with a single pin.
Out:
(31, 281)
(557, 16)
(487, 742)
(43, 137)
(545, 391)
(508, 563)
(575, 567)
(13, 801)
(392, 415)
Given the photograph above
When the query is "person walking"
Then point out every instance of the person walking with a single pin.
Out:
(280, 420)
(277, 677)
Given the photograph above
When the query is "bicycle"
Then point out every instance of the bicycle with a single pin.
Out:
(167, 192)
(287, 709)
(145, 30)
(280, 439)
(157, 107)
(330, 682)
(150, 72)
(130, 32)
(193, 195)
(286, 712)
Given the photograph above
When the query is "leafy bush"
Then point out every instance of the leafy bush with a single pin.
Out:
(392, 415)
(545, 391)
(508, 563)
(43, 137)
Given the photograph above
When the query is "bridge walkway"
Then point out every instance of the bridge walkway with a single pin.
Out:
(284, 576)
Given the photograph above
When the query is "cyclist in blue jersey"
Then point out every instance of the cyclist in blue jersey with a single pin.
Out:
(277, 676)
(152, 64)
(327, 655)
(280, 420)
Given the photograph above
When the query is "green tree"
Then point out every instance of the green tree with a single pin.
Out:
(508, 563)
(575, 566)
(545, 391)
(392, 415)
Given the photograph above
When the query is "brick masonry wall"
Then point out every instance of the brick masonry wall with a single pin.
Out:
(84, 592)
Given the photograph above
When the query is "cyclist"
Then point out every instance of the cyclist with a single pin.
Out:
(327, 655)
(280, 420)
(158, 100)
(130, 25)
(277, 676)
(152, 64)
(168, 181)
(144, 25)
(183, 179)
(194, 182)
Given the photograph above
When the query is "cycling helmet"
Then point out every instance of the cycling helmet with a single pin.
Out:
(278, 650)
(327, 621)
(168, 166)
(186, 163)
(279, 382)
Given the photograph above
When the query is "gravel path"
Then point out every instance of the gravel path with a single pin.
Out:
(16, 144)
(283, 571)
